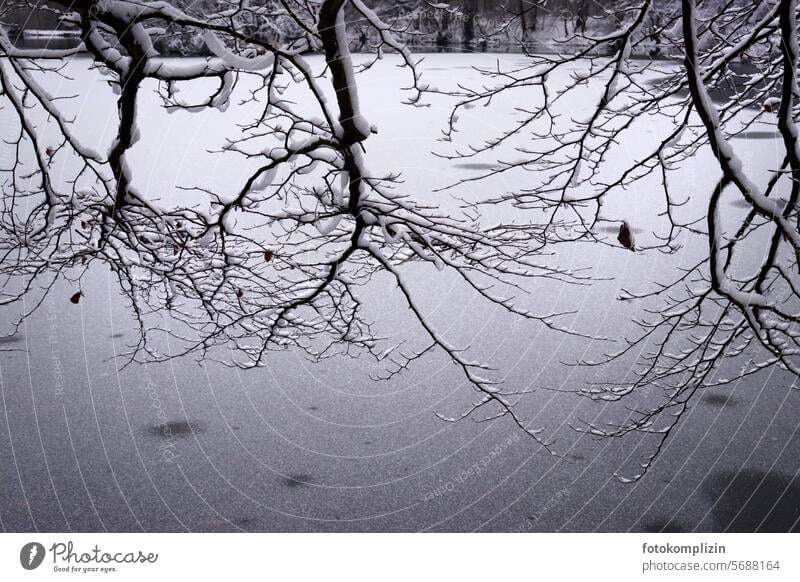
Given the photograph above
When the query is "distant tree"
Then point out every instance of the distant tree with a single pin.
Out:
(468, 16)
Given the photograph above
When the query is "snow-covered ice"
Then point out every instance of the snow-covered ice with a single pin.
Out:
(322, 447)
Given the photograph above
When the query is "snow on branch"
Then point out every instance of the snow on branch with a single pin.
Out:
(277, 261)
(703, 74)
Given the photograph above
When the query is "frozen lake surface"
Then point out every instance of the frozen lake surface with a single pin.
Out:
(297, 446)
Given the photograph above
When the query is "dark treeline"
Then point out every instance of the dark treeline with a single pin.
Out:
(452, 25)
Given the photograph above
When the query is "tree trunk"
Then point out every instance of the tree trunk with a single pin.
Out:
(354, 129)
(469, 22)
(333, 32)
